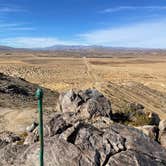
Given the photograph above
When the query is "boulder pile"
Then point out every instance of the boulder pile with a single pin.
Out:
(82, 133)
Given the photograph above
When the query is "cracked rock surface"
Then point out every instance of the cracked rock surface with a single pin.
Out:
(86, 145)
(83, 144)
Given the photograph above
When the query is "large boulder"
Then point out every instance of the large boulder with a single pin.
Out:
(11, 154)
(132, 158)
(57, 152)
(88, 103)
(83, 144)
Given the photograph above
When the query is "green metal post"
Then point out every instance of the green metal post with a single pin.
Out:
(39, 95)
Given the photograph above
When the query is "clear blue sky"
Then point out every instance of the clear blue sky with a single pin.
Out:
(121, 23)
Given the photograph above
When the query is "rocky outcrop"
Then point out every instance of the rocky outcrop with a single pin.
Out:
(17, 92)
(89, 103)
(81, 135)
(82, 143)
(86, 145)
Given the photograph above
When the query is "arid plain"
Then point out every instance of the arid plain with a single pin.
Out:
(63, 73)
(123, 78)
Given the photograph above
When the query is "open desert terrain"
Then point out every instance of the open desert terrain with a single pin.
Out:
(64, 73)
(121, 76)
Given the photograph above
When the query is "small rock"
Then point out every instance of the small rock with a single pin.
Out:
(163, 139)
(162, 125)
(32, 137)
(102, 122)
(136, 106)
(9, 137)
(68, 135)
(151, 131)
(132, 158)
(162, 133)
(32, 127)
(154, 118)
(56, 125)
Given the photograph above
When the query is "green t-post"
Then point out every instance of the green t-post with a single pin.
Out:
(39, 95)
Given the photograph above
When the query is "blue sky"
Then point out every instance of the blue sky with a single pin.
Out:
(116, 23)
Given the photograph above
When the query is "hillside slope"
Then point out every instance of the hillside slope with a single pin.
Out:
(17, 92)
(123, 94)
(18, 105)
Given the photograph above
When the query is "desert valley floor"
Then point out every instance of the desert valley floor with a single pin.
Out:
(123, 79)
(63, 73)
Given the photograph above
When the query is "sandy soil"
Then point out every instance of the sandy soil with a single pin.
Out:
(16, 120)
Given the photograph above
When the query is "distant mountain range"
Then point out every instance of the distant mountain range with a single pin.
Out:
(5, 48)
(89, 48)
(77, 48)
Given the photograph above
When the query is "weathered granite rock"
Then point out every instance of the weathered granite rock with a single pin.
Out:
(32, 127)
(82, 134)
(9, 137)
(32, 137)
(151, 131)
(162, 125)
(88, 104)
(58, 152)
(133, 158)
(56, 125)
(162, 139)
(137, 141)
(101, 122)
(84, 144)
(70, 133)
(11, 153)
(162, 133)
